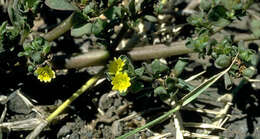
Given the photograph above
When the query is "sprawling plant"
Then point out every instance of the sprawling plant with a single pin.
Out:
(106, 23)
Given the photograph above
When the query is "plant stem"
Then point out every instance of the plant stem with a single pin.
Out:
(164, 116)
(158, 51)
(95, 57)
(60, 29)
(74, 96)
(184, 100)
(245, 37)
(64, 105)
(99, 57)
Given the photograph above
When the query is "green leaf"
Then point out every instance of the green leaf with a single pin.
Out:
(199, 44)
(111, 2)
(30, 68)
(205, 5)
(36, 50)
(113, 12)
(201, 88)
(98, 26)
(128, 65)
(31, 5)
(131, 8)
(136, 86)
(222, 61)
(179, 67)
(221, 22)
(249, 72)
(89, 8)
(2, 32)
(46, 49)
(20, 54)
(159, 7)
(85, 29)
(139, 71)
(184, 101)
(63, 5)
(150, 18)
(247, 55)
(108, 76)
(218, 16)
(216, 2)
(18, 19)
(138, 5)
(232, 4)
(197, 19)
(3, 28)
(170, 84)
(254, 59)
(27, 47)
(158, 67)
(160, 91)
(36, 57)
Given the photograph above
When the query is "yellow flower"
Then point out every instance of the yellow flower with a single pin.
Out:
(45, 74)
(115, 66)
(121, 82)
(164, 1)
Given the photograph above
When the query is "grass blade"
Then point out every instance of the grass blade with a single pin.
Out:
(184, 101)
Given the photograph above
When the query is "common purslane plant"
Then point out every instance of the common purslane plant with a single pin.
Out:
(106, 23)
(212, 18)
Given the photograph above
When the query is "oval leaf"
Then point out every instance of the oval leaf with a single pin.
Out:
(61, 5)
(85, 29)
(150, 18)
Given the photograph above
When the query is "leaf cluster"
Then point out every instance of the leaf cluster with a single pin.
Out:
(8, 37)
(214, 16)
(35, 52)
(218, 13)
(100, 18)
(21, 14)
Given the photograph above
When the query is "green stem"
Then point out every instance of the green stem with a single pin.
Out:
(98, 57)
(158, 51)
(60, 29)
(166, 115)
(95, 57)
(184, 101)
(139, 53)
(74, 96)
(246, 38)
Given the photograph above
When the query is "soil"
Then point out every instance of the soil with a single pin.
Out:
(101, 113)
